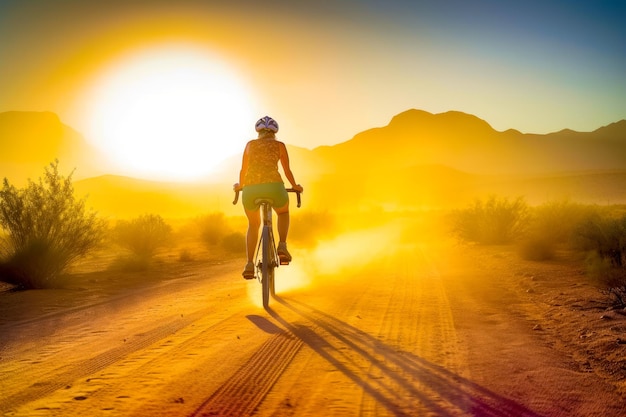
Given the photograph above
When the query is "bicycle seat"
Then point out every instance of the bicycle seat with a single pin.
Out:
(259, 201)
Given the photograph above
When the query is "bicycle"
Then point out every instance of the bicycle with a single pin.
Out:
(269, 259)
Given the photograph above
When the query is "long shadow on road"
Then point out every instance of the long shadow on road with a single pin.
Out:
(399, 381)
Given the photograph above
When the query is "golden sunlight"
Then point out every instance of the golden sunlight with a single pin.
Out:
(171, 113)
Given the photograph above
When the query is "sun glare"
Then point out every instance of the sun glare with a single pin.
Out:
(170, 113)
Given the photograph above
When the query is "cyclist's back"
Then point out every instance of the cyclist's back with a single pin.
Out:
(263, 165)
(259, 178)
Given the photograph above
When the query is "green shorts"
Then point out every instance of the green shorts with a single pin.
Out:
(274, 191)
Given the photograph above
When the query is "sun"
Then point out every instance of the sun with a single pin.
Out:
(170, 113)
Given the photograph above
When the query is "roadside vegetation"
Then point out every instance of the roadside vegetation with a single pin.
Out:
(46, 229)
(492, 221)
(597, 233)
(603, 237)
(141, 237)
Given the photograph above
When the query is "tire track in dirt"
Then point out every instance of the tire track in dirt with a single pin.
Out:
(62, 378)
(245, 389)
(430, 366)
(379, 342)
(418, 323)
(309, 371)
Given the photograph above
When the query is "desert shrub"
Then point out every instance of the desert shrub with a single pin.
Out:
(143, 235)
(557, 221)
(213, 227)
(47, 229)
(604, 237)
(494, 221)
(610, 280)
(234, 242)
(551, 224)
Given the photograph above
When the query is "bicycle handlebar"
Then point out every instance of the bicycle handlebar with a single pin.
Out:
(289, 190)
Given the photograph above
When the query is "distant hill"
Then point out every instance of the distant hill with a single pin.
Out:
(467, 143)
(418, 160)
(32, 140)
(449, 159)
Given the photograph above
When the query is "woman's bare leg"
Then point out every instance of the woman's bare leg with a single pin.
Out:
(283, 222)
(254, 222)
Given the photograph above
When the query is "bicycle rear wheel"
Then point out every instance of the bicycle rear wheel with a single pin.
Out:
(267, 267)
(271, 282)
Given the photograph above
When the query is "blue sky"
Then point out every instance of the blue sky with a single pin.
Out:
(329, 69)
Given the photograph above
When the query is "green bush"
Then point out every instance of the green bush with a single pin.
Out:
(143, 235)
(494, 221)
(47, 230)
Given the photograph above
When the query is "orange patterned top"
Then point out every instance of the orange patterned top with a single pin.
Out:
(264, 155)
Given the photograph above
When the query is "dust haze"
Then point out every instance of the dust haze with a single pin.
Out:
(439, 268)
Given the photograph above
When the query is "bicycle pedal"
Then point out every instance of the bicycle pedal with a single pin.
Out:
(285, 262)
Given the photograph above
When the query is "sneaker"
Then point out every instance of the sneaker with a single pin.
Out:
(248, 272)
(283, 254)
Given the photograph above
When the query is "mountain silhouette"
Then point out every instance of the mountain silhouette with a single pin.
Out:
(32, 140)
(418, 159)
(448, 159)
(468, 143)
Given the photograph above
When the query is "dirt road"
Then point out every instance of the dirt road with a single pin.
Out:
(403, 335)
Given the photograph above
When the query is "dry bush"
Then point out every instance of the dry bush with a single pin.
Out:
(551, 224)
(494, 221)
(47, 229)
(216, 231)
(213, 227)
(604, 237)
(610, 280)
(234, 242)
(558, 221)
(143, 235)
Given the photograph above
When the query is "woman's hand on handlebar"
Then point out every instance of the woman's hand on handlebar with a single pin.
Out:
(298, 190)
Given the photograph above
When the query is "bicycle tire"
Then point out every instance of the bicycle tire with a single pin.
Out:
(271, 281)
(266, 268)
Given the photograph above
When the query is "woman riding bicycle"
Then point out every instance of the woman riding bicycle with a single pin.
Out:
(259, 178)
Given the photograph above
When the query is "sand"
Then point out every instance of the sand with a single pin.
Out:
(433, 330)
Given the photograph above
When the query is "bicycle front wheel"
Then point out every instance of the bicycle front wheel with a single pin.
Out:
(267, 269)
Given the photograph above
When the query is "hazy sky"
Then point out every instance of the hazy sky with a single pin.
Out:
(327, 70)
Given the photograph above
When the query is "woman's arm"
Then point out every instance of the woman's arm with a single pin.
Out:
(284, 160)
(244, 168)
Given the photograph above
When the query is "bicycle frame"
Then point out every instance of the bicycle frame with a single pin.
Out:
(267, 247)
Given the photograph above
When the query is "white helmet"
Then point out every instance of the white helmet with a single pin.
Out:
(266, 123)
